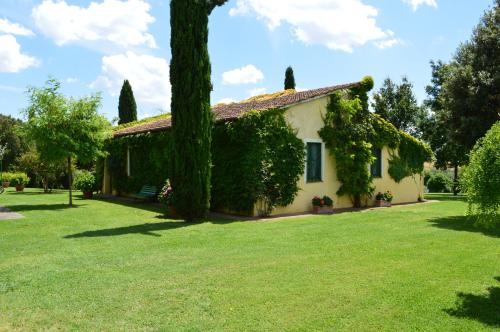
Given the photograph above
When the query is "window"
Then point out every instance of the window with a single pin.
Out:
(314, 162)
(376, 167)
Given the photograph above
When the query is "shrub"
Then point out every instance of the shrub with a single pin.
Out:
(19, 178)
(15, 178)
(438, 182)
(481, 179)
(84, 181)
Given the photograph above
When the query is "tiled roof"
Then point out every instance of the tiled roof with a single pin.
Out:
(227, 112)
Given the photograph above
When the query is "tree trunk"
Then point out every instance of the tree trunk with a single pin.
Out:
(455, 181)
(70, 183)
(357, 201)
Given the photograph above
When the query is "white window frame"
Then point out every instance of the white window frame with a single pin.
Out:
(316, 140)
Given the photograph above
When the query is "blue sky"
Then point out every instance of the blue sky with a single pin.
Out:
(93, 46)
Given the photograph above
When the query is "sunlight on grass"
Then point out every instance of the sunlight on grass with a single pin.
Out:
(114, 266)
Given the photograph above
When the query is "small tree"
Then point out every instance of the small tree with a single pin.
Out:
(127, 108)
(289, 79)
(65, 129)
(45, 172)
(481, 179)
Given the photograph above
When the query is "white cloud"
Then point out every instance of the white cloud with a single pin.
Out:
(243, 75)
(14, 28)
(226, 101)
(107, 26)
(72, 80)
(389, 42)
(417, 3)
(12, 60)
(336, 24)
(148, 75)
(257, 92)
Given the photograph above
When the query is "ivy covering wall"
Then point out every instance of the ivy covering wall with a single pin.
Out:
(256, 159)
(150, 154)
(351, 133)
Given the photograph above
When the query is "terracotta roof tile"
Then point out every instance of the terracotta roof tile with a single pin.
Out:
(226, 112)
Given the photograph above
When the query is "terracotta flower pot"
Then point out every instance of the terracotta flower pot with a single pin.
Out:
(88, 194)
(20, 187)
(382, 203)
(322, 209)
(6, 184)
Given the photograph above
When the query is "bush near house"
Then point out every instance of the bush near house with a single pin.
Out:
(481, 179)
(438, 181)
(84, 181)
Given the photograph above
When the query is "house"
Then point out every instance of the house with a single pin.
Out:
(304, 111)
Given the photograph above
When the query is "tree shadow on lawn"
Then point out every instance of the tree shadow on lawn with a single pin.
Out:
(144, 229)
(147, 206)
(463, 224)
(42, 207)
(484, 307)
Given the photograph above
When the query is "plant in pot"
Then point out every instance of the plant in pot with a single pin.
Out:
(322, 205)
(85, 181)
(383, 199)
(6, 179)
(20, 180)
(166, 197)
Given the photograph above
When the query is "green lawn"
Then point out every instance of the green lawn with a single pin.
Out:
(107, 266)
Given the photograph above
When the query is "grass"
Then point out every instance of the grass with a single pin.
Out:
(108, 266)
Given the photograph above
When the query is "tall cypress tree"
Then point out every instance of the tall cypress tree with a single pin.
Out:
(127, 108)
(190, 72)
(289, 79)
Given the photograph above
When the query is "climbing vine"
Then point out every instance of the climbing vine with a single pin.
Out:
(149, 159)
(257, 159)
(351, 133)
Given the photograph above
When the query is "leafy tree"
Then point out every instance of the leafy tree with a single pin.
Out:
(435, 127)
(472, 90)
(397, 104)
(481, 179)
(190, 72)
(289, 79)
(65, 129)
(127, 108)
(45, 172)
(464, 95)
(9, 136)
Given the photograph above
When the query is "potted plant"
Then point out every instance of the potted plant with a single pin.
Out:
(85, 181)
(166, 197)
(6, 179)
(20, 180)
(383, 199)
(322, 205)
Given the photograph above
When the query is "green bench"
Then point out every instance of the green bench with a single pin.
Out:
(147, 193)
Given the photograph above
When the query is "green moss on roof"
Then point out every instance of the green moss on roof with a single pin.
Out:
(143, 121)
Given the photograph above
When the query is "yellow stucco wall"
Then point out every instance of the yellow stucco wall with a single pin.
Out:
(307, 118)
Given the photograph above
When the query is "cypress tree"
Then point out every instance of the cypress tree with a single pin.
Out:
(289, 79)
(190, 72)
(127, 108)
